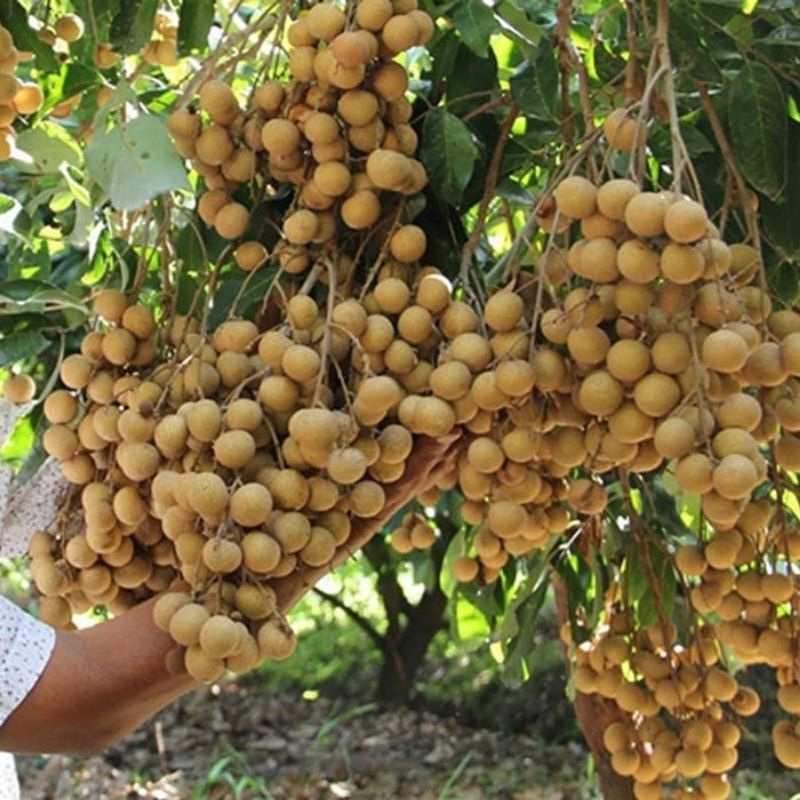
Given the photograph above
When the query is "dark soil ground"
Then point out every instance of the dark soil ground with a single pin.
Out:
(237, 741)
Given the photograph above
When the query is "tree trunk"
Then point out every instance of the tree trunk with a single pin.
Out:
(405, 651)
(595, 714)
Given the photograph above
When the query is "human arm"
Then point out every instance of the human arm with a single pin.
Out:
(99, 684)
(103, 682)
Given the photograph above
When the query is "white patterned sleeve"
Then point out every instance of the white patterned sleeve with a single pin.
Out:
(25, 648)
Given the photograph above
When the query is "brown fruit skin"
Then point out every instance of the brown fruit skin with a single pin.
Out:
(19, 389)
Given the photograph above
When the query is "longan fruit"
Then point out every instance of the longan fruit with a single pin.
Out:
(320, 548)
(372, 15)
(576, 197)
(433, 293)
(503, 311)
(21, 389)
(392, 295)
(210, 203)
(351, 49)
(60, 407)
(301, 63)
(638, 261)
(275, 641)
(682, 264)
(301, 227)
(408, 243)
(325, 21)
(234, 449)
(623, 131)
(347, 466)
(28, 99)
(390, 81)
(110, 304)
(300, 363)
(614, 196)
(415, 324)
(251, 505)
(69, 27)
(302, 312)
(656, 394)
(60, 442)
(261, 552)
(685, 221)
(299, 35)
(361, 210)
(209, 496)
(694, 473)
(138, 460)
(388, 169)
(129, 506)
(332, 178)
(278, 393)
(249, 256)
(231, 220)
(214, 145)
(588, 345)
(600, 394)
(367, 498)
(400, 33)
(280, 137)
(186, 622)
(219, 101)
(321, 128)
(222, 555)
(724, 351)
(674, 438)
(357, 107)
(645, 213)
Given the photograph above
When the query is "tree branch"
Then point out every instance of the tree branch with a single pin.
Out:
(359, 620)
(492, 177)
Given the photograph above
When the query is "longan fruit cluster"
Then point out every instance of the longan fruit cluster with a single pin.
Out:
(674, 359)
(162, 50)
(338, 132)
(678, 706)
(227, 459)
(16, 97)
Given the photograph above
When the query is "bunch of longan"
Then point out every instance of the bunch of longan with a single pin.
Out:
(16, 97)
(338, 131)
(673, 358)
(679, 708)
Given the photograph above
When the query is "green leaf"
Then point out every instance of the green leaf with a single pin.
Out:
(787, 35)
(25, 344)
(534, 86)
(196, 19)
(134, 162)
(50, 146)
(780, 217)
(132, 25)
(448, 153)
(759, 127)
(518, 24)
(14, 17)
(475, 22)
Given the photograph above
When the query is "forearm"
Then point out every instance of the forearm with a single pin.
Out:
(100, 684)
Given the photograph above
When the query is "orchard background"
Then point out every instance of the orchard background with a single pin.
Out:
(408, 682)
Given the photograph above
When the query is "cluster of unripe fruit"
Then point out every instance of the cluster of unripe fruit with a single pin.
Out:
(338, 131)
(16, 97)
